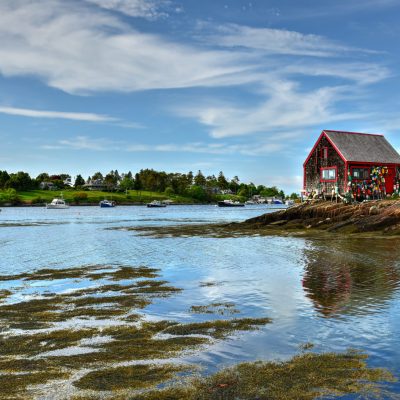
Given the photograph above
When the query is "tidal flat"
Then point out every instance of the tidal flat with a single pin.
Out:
(247, 317)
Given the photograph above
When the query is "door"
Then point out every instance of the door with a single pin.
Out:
(390, 179)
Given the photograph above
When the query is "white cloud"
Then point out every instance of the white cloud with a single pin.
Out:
(80, 50)
(83, 143)
(103, 144)
(275, 41)
(149, 9)
(24, 112)
(285, 108)
(210, 148)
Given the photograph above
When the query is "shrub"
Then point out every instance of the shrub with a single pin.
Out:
(80, 196)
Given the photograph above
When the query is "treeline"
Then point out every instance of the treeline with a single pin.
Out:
(196, 185)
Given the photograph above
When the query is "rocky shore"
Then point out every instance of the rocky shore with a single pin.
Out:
(373, 216)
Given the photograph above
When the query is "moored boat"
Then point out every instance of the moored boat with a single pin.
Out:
(156, 204)
(57, 204)
(229, 203)
(107, 203)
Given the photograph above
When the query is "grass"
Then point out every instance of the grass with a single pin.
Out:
(132, 197)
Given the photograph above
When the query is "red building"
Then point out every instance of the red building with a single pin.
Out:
(366, 164)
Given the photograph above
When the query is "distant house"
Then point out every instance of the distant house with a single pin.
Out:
(95, 184)
(47, 186)
(350, 161)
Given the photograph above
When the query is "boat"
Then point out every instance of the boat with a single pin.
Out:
(57, 204)
(229, 203)
(276, 201)
(107, 203)
(289, 203)
(156, 204)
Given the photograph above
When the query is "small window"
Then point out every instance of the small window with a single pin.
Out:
(361, 173)
(324, 153)
(328, 174)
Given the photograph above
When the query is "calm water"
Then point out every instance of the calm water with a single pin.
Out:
(334, 294)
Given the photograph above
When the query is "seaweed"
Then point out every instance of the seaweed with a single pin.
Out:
(215, 308)
(131, 377)
(218, 329)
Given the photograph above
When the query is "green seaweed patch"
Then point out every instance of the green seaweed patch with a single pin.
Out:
(4, 294)
(87, 271)
(41, 342)
(218, 329)
(131, 377)
(215, 308)
(14, 386)
(306, 376)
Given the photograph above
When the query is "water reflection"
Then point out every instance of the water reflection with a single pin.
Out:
(351, 276)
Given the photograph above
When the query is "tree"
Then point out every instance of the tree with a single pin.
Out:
(234, 184)
(197, 192)
(199, 179)
(222, 182)
(4, 178)
(294, 196)
(127, 183)
(20, 181)
(43, 177)
(137, 185)
(111, 180)
(79, 182)
(97, 175)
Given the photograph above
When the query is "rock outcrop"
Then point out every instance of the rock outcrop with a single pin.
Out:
(370, 216)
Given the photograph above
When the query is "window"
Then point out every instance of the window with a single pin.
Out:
(328, 174)
(324, 153)
(361, 173)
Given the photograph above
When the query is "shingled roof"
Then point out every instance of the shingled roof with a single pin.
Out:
(364, 147)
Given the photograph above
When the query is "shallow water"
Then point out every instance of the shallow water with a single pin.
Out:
(334, 294)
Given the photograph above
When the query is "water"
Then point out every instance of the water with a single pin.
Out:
(335, 294)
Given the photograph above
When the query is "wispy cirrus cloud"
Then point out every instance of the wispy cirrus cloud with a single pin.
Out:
(83, 49)
(285, 108)
(149, 9)
(84, 143)
(25, 112)
(274, 41)
(215, 148)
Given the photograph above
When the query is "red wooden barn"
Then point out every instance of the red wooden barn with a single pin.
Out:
(352, 161)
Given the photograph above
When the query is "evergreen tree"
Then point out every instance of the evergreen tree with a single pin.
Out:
(79, 181)
(199, 179)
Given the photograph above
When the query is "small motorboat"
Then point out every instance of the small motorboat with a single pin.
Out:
(229, 203)
(57, 204)
(276, 201)
(156, 204)
(107, 203)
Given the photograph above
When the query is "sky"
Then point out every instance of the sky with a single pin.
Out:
(238, 86)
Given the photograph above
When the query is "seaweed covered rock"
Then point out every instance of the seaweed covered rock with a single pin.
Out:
(364, 217)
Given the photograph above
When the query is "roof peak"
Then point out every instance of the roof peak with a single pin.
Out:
(353, 133)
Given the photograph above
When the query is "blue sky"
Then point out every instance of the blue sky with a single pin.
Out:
(243, 87)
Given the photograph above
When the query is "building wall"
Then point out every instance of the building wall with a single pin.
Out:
(313, 167)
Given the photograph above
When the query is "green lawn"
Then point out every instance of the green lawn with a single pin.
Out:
(133, 196)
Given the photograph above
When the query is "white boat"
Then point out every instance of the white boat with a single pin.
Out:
(57, 204)
(156, 204)
(106, 203)
(229, 203)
